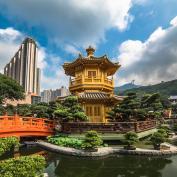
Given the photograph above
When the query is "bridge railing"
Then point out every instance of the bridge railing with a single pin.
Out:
(113, 127)
(25, 123)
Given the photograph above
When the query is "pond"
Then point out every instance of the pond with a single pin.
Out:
(114, 166)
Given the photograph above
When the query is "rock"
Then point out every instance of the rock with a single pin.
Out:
(164, 146)
(46, 175)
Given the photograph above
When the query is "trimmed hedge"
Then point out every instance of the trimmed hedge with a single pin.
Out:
(91, 141)
(7, 143)
(66, 142)
(25, 166)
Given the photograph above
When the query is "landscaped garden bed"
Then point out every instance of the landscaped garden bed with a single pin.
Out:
(91, 141)
(65, 141)
(92, 145)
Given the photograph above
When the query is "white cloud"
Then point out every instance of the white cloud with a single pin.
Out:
(41, 63)
(9, 39)
(130, 49)
(52, 73)
(157, 34)
(56, 81)
(151, 61)
(71, 49)
(9, 34)
(174, 21)
(82, 22)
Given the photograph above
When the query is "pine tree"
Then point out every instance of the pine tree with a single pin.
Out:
(133, 108)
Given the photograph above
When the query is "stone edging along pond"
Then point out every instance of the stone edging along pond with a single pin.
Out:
(105, 151)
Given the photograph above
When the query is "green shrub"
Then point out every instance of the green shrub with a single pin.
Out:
(157, 138)
(166, 128)
(25, 166)
(80, 116)
(175, 127)
(66, 142)
(164, 132)
(92, 140)
(131, 138)
(7, 143)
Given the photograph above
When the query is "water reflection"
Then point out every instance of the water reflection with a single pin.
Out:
(122, 166)
(115, 166)
(24, 151)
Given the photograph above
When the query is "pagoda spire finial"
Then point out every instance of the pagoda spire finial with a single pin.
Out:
(90, 51)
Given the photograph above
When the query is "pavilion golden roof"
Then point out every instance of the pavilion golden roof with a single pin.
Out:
(99, 96)
(103, 62)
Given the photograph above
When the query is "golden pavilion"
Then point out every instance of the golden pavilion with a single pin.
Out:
(91, 79)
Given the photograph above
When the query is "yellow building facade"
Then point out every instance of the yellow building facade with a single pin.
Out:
(91, 79)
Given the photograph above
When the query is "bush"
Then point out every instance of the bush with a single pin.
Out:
(164, 132)
(175, 127)
(158, 138)
(166, 128)
(7, 143)
(25, 166)
(92, 140)
(80, 116)
(130, 139)
(66, 142)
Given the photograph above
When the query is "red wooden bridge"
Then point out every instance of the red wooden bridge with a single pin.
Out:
(30, 126)
(25, 126)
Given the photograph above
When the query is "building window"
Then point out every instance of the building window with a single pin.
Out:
(91, 73)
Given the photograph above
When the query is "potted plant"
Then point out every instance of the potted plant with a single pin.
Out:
(130, 139)
(157, 138)
(92, 141)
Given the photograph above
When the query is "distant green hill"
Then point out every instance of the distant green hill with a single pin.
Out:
(121, 89)
(164, 88)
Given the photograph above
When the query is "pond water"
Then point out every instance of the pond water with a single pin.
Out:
(114, 166)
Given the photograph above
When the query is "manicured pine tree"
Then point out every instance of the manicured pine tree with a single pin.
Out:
(128, 109)
(152, 104)
(70, 110)
(134, 108)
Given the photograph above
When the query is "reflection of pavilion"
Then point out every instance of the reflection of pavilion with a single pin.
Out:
(92, 81)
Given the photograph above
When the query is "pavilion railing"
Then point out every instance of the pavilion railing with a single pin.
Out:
(87, 80)
(113, 127)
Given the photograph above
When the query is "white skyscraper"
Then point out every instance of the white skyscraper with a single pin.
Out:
(23, 67)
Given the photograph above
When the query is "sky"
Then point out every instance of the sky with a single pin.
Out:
(139, 34)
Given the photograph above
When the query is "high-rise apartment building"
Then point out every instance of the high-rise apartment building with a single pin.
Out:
(23, 67)
(52, 95)
(46, 96)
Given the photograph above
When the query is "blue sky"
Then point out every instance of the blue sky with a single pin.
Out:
(140, 34)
